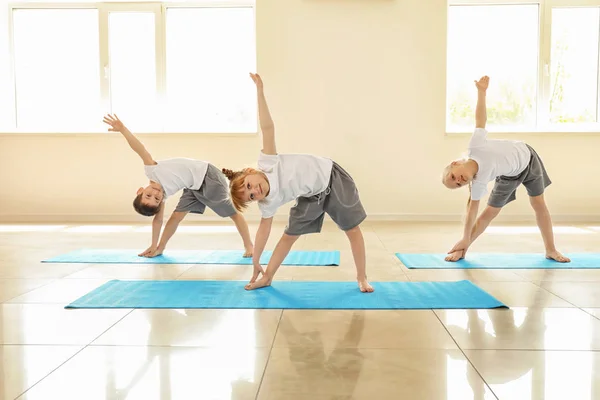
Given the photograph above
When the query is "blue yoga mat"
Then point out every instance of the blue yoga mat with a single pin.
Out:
(499, 261)
(235, 257)
(287, 295)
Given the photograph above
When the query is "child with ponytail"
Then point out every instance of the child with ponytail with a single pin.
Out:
(510, 163)
(318, 185)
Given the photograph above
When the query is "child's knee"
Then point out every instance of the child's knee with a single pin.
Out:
(353, 231)
(289, 238)
(538, 203)
(178, 215)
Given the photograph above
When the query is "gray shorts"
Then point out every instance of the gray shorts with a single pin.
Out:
(214, 193)
(340, 201)
(534, 178)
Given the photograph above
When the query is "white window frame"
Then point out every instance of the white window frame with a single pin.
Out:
(104, 9)
(543, 124)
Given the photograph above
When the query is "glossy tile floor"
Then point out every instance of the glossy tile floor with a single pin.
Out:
(546, 346)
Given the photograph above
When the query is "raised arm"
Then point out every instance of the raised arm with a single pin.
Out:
(266, 122)
(481, 110)
(117, 126)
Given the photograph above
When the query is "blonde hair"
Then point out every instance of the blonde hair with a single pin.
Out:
(447, 172)
(236, 186)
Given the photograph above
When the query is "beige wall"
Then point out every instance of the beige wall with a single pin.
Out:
(361, 81)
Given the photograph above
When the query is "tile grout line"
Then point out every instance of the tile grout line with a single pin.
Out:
(591, 315)
(465, 355)
(183, 273)
(262, 377)
(380, 241)
(554, 294)
(393, 254)
(70, 358)
(52, 371)
(29, 291)
(52, 281)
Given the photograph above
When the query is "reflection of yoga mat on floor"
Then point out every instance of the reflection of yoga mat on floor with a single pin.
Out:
(499, 261)
(235, 257)
(287, 295)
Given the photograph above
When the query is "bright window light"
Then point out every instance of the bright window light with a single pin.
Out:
(574, 66)
(209, 54)
(57, 69)
(160, 67)
(479, 43)
(133, 69)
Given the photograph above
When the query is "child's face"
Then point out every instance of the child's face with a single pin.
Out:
(458, 175)
(152, 195)
(256, 187)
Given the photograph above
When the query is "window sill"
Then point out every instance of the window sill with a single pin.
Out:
(570, 130)
(142, 134)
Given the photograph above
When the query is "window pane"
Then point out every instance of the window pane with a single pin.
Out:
(500, 41)
(7, 89)
(133, 69)
(57, 70)
(210, 52)
(574, 65)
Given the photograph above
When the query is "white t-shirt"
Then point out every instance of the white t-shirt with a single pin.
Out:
(291, 176)
(495, 158)
(176, 174)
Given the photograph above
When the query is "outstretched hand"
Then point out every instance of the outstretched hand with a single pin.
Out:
(258, 269)
(459, 251)
(115, 123)
(483, 83)
(257, 80)
(461, 245)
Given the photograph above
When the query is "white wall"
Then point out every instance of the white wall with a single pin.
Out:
(361, 81)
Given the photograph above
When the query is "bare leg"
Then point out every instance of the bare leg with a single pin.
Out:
(480, 226)
(357, 243)
(169, 231)
(242, 227)
(279, 254)
(544, 222)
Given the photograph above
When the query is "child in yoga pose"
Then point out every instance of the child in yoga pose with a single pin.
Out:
(510, 163)
(203, 185)
(318, 185)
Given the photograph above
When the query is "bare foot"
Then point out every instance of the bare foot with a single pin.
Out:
(262, 282)
(453, 257)
(556, 256)
(157, 252)
(248, 252)
(364, 286)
